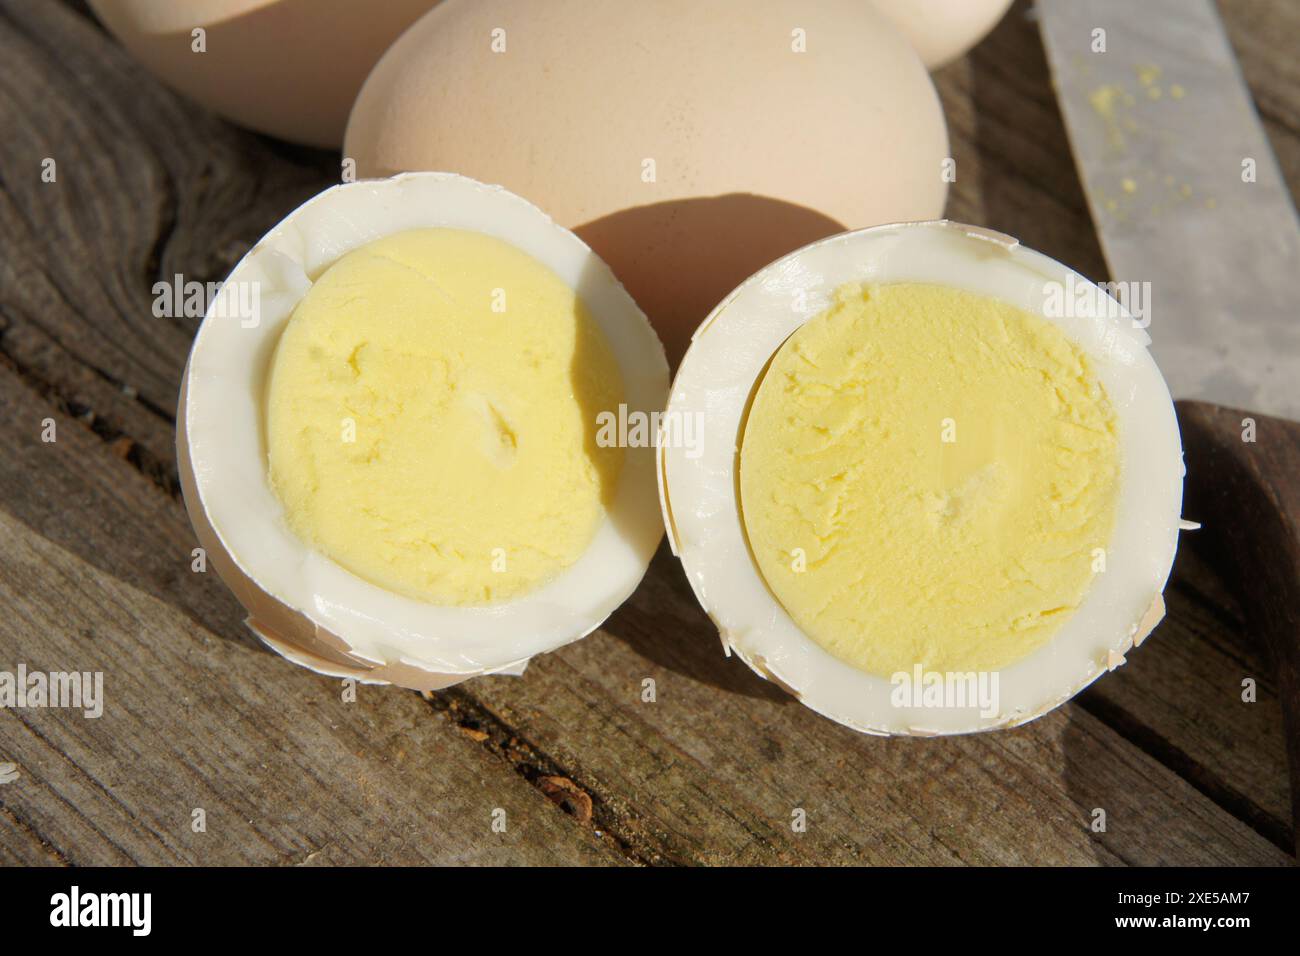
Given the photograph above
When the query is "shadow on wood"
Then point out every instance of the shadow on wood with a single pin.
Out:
(664, 623)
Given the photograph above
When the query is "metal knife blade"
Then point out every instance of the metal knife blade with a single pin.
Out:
(1165, 136)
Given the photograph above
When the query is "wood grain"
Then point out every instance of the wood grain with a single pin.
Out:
(95, 570)
(1248, 474)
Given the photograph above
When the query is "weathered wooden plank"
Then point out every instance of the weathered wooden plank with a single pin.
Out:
(77, 493)
(1263, 34)
(1180, 698)
(19, 846)
(283, 769)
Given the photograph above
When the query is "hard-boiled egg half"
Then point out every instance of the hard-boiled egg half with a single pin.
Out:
(924, 478)
(413, 433)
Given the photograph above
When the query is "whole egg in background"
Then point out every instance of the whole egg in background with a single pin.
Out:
(288, 68)
(943, 30)
(688, 143)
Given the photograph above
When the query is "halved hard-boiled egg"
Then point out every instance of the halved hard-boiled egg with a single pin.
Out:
(935, 478)
(403, 433)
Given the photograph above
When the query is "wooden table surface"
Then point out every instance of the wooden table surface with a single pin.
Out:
(95, 573)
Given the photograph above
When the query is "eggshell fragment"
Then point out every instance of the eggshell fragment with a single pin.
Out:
(300, 603)
(699, 488)
(688, 143)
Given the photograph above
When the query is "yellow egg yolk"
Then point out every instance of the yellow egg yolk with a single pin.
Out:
(432, 415)
(929, 477)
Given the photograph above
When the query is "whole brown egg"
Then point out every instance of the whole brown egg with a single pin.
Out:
(688, 143)
(289, 68)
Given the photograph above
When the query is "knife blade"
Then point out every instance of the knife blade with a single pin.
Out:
(1185, 192)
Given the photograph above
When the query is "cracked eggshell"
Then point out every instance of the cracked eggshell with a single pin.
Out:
(943, 30)
(289, 68)
(300, 603)
(698, 490)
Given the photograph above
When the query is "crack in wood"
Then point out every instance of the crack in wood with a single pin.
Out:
(1205, 780)
(18, 823)
(161, 473)
(618, 824)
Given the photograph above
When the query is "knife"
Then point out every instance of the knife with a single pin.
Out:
(1197, 225)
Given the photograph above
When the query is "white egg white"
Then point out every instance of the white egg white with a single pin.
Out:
(300, 602)
(699, 488)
